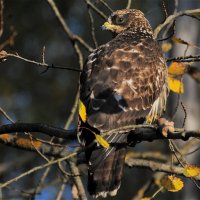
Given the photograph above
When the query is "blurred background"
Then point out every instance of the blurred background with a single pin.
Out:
(28, 95)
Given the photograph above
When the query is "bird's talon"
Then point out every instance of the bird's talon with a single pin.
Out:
(166, 126)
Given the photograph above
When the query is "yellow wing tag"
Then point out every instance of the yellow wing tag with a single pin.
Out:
(82, 111)
(102, 141)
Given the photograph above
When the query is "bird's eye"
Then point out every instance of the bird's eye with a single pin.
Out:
(120, 20)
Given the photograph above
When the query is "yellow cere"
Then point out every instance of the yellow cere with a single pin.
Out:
(82, 111)
(112, 27)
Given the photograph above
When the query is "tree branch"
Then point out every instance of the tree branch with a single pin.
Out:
(1, 17)
(72, 36)
(139, 132)
(21, 142)
(191, 58)
(156, 166)
(4, 55)
(173, 17)
(38, 127)
(94, 8)
(37, 169)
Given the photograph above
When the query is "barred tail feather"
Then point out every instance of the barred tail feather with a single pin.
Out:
(106, 178)
(106, 169)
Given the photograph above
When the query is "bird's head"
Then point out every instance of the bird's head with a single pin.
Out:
(122, 20)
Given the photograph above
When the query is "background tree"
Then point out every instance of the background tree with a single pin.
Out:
(58, 35)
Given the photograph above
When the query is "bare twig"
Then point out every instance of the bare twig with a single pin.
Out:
(164, 9)
(176, 6)
(4, 55)
(176, 153)
(185, 112)
(6, 115)
(155, 155)
(92, 28)
(172, 23)
(140, 193)
(73, 110)
(1, 17)
(106, 5)
(77, 180)
(173, 17)
(73, 38)
(193, 151)
(129, 4)
(61, 191)
(191, 58)
(93, 7)
(9, 41)
(37, 149)
(3, 185)
(43, 54)
(42, 179)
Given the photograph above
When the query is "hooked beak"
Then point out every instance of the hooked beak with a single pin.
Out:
(106, 26)
(111, 27)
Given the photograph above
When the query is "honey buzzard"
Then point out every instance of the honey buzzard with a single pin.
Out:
(122, 82)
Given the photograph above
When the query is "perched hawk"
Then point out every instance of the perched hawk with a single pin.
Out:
(122, 82)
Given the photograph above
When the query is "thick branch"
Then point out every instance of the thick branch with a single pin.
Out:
(156, 166)
(37, 127)
(25, 143)
(139, 132)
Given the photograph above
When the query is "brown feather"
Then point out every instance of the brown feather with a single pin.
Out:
(120, 84)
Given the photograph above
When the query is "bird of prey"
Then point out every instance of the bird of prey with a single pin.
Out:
(122, 82)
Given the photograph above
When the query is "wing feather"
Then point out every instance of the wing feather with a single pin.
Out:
(120, 86)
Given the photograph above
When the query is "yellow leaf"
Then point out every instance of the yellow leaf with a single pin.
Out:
(175, 85)
(166, 46)
(178, 68)
(172, 183)
(191, 171)
(146, 198)
(82, 111)
(102, 141)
